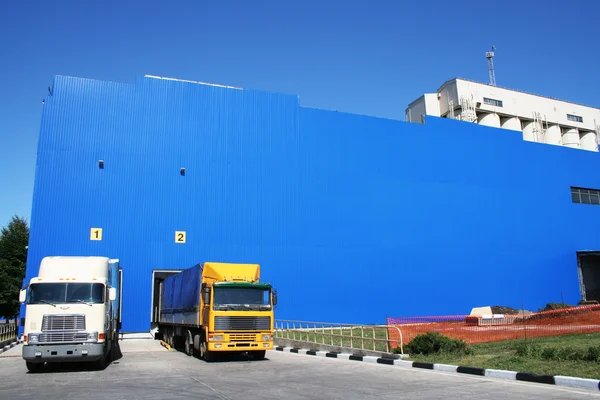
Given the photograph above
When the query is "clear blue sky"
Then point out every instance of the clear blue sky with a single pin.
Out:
(368, 57)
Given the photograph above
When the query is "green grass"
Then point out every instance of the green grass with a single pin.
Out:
(342, 337)
(502, 355)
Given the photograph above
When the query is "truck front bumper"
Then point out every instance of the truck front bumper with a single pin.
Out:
(37, 353)
(239, 346)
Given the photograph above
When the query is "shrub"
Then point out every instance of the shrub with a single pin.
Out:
(558, 353)
(549, 353)
(593, 353)
(571, 354)
(434, 342)
(525, 349)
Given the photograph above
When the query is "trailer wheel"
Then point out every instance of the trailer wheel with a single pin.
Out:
(197, 344)
(189, 348)
(170, 337)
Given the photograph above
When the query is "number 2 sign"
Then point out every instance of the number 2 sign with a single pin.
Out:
(179, 236)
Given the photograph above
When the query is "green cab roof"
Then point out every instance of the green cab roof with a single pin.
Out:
(252, 285)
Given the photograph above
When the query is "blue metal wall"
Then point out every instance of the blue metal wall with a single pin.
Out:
(351, 217)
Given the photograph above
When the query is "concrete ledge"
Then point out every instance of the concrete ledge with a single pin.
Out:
(529, 377)
(9, 344)
(403, 363)
(445, 367)
(470, 370)
(139, 335)
(329, 348)
(569, 381)
(370, 359)
(501, 374)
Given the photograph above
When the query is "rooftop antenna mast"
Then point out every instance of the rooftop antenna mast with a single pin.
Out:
(490, 57)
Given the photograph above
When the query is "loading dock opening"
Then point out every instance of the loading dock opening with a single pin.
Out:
(158, 276)
(589, 275)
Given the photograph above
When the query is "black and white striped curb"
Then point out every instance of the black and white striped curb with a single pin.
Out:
(10, 345)
(568, 381)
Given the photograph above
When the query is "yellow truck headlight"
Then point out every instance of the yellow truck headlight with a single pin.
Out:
(267, 338)
(215, 338)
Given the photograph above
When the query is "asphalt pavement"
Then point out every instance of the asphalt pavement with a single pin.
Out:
(148, 371)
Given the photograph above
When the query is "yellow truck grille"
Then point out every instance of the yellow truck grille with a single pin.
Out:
(242, 338)
(239, 323)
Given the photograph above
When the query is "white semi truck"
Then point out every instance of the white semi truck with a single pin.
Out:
(72, 312)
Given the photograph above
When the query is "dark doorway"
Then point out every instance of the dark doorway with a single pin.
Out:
(157, 277)
(589, 275)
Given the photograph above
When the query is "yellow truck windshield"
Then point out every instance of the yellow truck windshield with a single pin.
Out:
(232, 298)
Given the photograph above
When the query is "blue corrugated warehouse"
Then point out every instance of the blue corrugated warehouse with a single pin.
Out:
(351, 217)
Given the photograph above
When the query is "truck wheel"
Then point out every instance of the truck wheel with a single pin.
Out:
(101, 363)
(207, 355)
(111, 351)
(259, 355)
(189, 348)
(34, 367)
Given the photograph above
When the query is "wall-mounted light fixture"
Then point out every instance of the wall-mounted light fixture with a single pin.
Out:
(101, 164)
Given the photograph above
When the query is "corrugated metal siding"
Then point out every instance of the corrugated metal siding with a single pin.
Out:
(236, 146)
(351, 217)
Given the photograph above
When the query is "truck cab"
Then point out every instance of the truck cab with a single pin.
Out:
(218, 308)
(70, 312)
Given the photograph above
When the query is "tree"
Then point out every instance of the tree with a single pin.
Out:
(14, 239)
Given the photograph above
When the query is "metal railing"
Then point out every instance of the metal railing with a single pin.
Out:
(382, 338)
(8, 331)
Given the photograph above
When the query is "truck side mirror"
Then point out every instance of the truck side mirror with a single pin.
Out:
(274, 297)
(112, 294)
(22, 296)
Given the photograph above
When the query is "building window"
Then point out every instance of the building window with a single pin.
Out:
(575, 118)
(585, 196)
(492, 102)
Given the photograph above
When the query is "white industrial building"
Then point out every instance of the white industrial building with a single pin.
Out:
(540, 119)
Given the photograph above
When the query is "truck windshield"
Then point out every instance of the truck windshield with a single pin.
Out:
(241, 299)
(61, 293)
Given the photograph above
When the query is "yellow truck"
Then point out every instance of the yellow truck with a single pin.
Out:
(216, 308)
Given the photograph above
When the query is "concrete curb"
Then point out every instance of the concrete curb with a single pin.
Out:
(10, 345)
(568, 381)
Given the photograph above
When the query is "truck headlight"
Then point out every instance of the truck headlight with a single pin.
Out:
(216, 338)
(92, 336)
(267, 338)
(33, 338)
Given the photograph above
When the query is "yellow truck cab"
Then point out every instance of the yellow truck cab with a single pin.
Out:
(218, 307)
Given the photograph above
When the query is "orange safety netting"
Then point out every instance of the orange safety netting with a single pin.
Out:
(497, 327)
